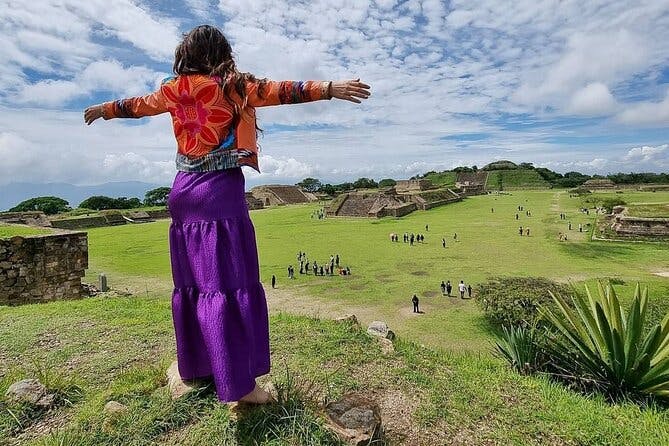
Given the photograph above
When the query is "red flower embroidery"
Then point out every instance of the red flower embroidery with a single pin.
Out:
(198, 119)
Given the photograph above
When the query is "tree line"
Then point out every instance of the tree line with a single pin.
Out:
(158, 196)
(56, 205)
(315, 185)
(568, 179)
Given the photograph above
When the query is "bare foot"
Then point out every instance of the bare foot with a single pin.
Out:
(258, 396)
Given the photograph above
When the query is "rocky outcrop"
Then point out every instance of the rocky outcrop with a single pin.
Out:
(355, 419)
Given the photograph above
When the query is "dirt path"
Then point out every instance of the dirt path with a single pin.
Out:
(296, 302)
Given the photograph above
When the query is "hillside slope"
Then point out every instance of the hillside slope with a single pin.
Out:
(516, 179)
(103, 349)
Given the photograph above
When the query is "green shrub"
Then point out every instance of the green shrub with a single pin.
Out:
(521, 348)
(580, 191)
(514, 301)
(610, 203)
(598, 343)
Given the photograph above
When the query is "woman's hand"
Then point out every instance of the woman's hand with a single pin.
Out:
(92, 113)
(349, 90)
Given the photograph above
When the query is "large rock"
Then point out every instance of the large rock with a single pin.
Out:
(387, 346)
(32, 392)
(380, 329)
(176, 385)
(114, 407)
(355, 419)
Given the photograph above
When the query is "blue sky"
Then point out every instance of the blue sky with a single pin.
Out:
(568, 85)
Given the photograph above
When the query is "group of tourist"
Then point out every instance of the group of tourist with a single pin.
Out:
(318, 214)
(409, 238)
(324, 269)
(446, 290)
(523, 230)
(562, 236)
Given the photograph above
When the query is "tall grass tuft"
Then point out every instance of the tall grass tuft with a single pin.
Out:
(521, 348)
(292, 420)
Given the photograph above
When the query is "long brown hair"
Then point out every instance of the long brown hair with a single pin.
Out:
(205, 50)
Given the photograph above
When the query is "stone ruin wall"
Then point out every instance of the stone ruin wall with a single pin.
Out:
(30, 218)
(42, 268)
(627, 226)
(407, 186)
(252, 202)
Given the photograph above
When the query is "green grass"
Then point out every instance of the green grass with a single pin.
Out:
(442, 179)
(23, 231)
(515, 179)
(386, 275)
(649, 210)
(118, 348)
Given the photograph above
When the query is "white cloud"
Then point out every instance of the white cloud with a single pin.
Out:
(143, 28)
(648, 153)
(520, 74)
(106, 75)
(592, 100)
(280, 167)
(646, 113)
(122, 166)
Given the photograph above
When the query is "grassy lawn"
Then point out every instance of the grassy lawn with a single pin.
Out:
(454, 392)
(23, 231)
(649, 210)
(385, 275)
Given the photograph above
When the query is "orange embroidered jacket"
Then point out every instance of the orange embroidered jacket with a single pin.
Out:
(202, 117)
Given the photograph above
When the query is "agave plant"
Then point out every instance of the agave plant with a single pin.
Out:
(598, 341)
(519, 346)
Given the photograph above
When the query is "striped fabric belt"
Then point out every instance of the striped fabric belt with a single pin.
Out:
(215, 160)
(225, 156)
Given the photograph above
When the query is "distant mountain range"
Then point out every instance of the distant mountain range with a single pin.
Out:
(13, 193)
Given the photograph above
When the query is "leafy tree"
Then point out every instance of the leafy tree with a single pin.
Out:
(387, 182)
(365, 183)
(128, 203)
(310, 184)
(526, 166)
(610, 203)
(328, 189)
(548, 174)
(344, 187)
(639, 178)
(572, 179)
(98, 202)
(48, 205)
(157, 196)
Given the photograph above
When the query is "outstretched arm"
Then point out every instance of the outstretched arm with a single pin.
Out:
(138, 107)
(290, 92)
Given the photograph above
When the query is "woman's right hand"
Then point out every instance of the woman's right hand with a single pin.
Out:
(92, 113)
(352, 90)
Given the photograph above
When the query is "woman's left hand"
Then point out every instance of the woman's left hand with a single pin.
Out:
(352, 90)
(92, 113)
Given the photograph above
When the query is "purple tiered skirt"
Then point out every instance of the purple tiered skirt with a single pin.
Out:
(218, 305)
